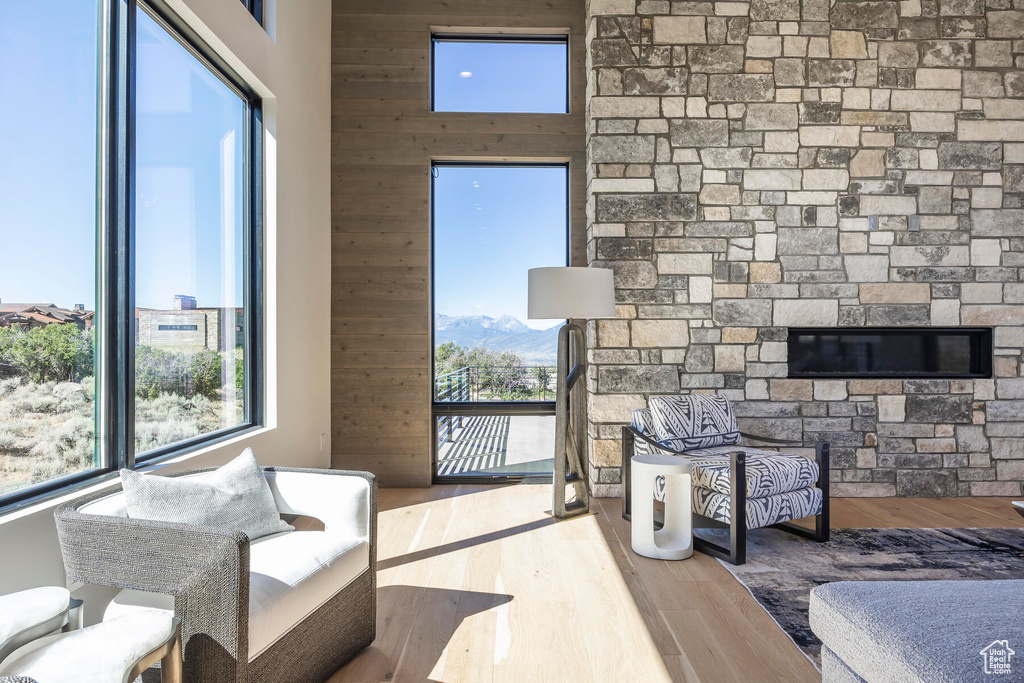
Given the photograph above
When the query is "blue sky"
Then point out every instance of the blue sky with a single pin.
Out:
(491, 225)
(48, 60)
(500, 77)
(189, 195)
(189, 181)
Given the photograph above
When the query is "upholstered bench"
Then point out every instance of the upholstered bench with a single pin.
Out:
(30, 614)
(917, 631)
(115, 651)
(777, 487)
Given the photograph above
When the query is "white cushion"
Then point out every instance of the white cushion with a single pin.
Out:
(341, 502)
(28, 608)
(234, 497)
(290, 575)
(103, 653)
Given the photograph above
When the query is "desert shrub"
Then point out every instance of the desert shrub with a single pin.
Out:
(29, 401)
(46, 430)
(10, 385)
(9, 441)
(75, 430)
(169, 418)
(184, 374)
(150, 435)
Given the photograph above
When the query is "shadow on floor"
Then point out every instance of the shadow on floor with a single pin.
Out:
(425, 553)
(419, 641)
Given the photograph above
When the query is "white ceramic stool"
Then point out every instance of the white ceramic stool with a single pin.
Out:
(674, 541)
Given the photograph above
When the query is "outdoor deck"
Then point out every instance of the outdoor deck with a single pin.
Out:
(498, 444)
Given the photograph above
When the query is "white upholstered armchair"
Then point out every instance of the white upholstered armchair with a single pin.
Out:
(294, 605)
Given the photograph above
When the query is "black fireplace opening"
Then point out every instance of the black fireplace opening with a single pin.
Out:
(894, 353)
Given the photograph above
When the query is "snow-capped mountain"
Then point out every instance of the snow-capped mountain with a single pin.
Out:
(501, 334)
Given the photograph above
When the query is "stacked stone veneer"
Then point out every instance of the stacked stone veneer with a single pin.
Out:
(765, 164)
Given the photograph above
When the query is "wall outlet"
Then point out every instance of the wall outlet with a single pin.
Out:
(323, 442)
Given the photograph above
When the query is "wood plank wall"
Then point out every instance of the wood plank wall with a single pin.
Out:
(384, 137)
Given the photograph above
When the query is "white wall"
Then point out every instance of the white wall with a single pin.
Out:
(292, 73)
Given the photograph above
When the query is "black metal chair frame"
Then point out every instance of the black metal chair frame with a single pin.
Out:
(736, 553)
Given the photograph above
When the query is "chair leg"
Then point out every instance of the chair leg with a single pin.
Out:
(820, 533)
(736, 553)
(171, 665)
(822, 523)
(627, 462)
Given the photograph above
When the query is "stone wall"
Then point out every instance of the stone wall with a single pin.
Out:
(773, 163)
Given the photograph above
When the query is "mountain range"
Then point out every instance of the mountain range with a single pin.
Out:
(504, 333)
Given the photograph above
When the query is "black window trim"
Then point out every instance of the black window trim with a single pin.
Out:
(520, 38)
(115, 366)
(255, 8)
(440, 409)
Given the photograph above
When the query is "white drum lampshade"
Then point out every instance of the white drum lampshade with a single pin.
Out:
(560, 293)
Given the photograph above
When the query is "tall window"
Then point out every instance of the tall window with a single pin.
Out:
(130, 233)
(50, 84)
(494, 369)
(505, 73)
(191, 132)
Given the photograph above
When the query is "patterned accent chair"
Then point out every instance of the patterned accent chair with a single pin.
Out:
(777, 487)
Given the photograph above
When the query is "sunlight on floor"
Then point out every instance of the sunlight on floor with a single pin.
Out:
(485, 585)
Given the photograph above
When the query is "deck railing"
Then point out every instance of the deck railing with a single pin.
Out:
(472, 383)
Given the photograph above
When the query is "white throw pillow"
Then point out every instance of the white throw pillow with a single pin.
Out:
(234, 497)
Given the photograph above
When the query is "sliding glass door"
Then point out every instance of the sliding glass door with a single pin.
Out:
(494, 370)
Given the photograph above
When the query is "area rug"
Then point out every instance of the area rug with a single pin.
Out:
(782, 569)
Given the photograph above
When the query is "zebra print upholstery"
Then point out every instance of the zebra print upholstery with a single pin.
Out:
(763, 511)
(691, 421)
(768, 472)
(642, 422)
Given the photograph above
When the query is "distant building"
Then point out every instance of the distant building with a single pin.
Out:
(35, 316)
(187, 327)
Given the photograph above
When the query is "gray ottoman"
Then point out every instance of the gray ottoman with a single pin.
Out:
(927, 631)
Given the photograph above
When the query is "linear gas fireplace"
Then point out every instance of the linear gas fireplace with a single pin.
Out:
(891, 352)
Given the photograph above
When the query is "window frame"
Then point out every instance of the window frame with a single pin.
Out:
(441, 409)
(115, 296)
(559, 38)
(255, 8)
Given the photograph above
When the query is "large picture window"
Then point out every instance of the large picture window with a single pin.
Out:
(48, 242)
(494, 369)
(190, 266)
(130, 222)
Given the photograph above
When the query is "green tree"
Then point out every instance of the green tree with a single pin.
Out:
(499, 373)
(239, 371)
(7, 364)
(543, 379)
(181, 374)
(55, 353)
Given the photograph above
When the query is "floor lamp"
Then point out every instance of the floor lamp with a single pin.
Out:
(567, 294)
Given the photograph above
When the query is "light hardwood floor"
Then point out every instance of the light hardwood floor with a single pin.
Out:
(481, 584)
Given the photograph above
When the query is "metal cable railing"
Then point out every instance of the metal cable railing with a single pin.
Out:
(472, 383)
